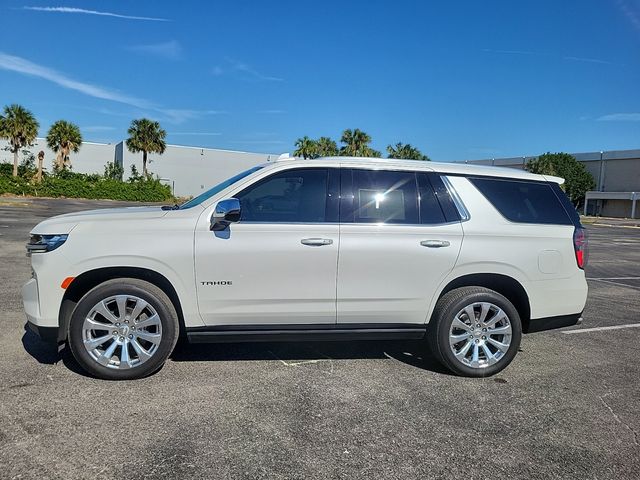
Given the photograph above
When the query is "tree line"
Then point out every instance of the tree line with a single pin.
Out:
(355, 143)
(20, 128)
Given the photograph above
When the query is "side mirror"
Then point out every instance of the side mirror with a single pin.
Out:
(226, 212)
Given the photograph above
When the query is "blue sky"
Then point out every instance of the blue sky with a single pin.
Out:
(458, 79)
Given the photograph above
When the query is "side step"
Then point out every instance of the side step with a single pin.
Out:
(288, 333)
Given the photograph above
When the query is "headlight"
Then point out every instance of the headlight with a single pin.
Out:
(45, 243)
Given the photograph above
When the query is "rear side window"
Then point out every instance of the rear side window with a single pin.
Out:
(384, 197)
(568, 206)
(430, 210)
(523, 201)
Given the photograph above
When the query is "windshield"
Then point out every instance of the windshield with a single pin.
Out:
(218, 188)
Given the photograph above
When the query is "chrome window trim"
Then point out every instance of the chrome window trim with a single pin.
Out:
(349, 223)
(457, 201)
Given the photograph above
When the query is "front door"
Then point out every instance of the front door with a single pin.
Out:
(397, 244)
(277, 265)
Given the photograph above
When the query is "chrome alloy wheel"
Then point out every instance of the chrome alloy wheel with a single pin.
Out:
(480, 335)
(122, 331)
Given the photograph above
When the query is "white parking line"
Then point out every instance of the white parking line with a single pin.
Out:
(610, 282)
(613, 278)
(599, 329)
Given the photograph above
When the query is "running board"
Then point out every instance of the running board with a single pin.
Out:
(286, 333)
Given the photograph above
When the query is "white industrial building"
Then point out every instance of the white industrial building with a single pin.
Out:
(188, 170)
(191, 170)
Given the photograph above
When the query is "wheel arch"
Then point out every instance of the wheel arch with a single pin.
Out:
(92, 278)
(505, 285)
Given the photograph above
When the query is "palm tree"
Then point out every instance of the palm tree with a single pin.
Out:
(40, 162)
(63, 138)
(406, 151)
(326, 147)
(306, 148)
(19, 126)
(356, 144)
(146, 136)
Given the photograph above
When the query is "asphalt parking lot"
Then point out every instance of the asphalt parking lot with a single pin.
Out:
(568, 407)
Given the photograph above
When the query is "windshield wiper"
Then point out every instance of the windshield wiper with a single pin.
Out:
(171, 207)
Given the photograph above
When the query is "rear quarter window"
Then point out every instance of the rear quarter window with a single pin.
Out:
(523, 201)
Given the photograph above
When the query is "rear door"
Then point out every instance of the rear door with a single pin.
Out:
(400, 235)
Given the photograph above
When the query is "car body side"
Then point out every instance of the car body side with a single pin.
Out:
(160, 245)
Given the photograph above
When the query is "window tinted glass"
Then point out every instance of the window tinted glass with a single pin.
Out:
(218, 188)
(384, 197)
(430, 210)
(287, 197)
(522, 201)
(568, 206)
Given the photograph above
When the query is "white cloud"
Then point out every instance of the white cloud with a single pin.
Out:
(97, 128)
(632, 13)
(548, 55)
(204, 134)
(243, 69)
(93, 12)
(171, 49)
(620, 117)
(259, 142)
(181, 115)
(26, 67)
(21, 65)
(588, 60)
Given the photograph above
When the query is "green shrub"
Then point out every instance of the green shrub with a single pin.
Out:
(77, 185)
(113, 171)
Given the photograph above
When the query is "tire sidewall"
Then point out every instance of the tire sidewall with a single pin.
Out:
(445, 326)
(149, 293)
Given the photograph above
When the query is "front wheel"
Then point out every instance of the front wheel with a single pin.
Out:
(474, 331)
(123, 329)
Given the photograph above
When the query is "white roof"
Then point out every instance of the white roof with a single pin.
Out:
(441, 167)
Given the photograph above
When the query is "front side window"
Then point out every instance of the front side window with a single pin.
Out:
(218, 188)
(291, 196)
(381, 196)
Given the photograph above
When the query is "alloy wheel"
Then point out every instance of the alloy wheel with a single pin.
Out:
(122, 332)
(480, 335)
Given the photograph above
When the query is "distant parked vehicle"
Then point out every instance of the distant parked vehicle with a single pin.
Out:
(464, 257)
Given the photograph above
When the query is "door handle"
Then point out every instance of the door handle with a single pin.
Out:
(316, 242)
(435, 243)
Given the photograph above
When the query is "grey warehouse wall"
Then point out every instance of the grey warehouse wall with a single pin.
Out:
(612, 170)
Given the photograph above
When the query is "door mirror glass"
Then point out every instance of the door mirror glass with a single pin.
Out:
(226, 212)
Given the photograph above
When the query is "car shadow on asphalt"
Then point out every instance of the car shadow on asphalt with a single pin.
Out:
(414, 354)
(49, 354)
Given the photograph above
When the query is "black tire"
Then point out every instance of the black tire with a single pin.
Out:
(146, 291)
(443, 316)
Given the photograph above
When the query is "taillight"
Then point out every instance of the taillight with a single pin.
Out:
(581, 246)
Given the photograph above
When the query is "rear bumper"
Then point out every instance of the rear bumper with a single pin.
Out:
(551, 323)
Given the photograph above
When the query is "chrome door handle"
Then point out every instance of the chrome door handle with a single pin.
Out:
(435, 243)
(316, 242)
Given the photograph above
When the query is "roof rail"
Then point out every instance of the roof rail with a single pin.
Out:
(285, 156)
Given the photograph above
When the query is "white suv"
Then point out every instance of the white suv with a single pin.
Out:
(465, 257)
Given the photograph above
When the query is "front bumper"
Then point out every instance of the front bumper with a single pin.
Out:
(47, 334)
(35, 323)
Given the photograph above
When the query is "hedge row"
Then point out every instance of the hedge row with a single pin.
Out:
(87, 186)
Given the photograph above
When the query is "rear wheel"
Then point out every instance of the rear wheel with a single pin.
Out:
(474, 331)
(123, 329)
